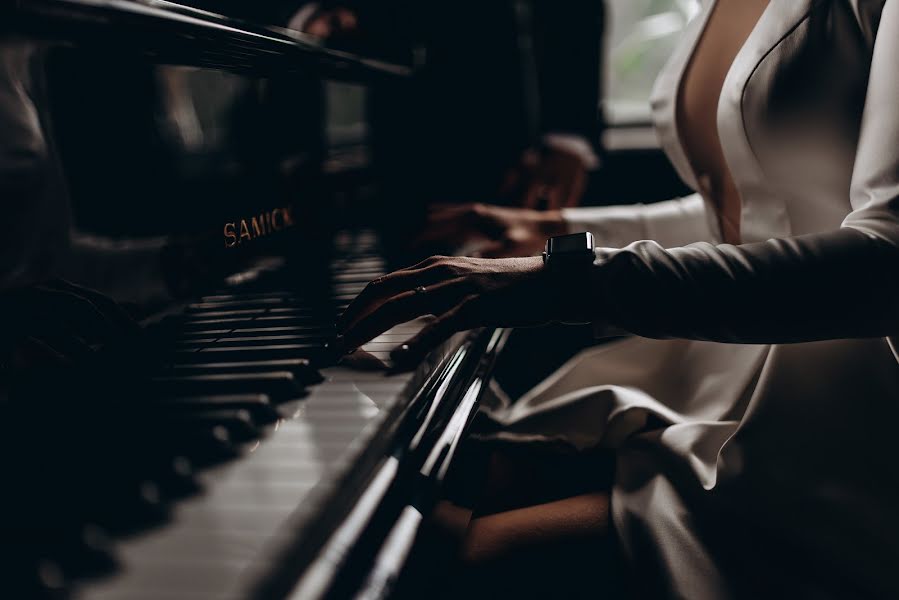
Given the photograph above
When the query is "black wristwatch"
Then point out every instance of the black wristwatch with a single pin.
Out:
(569, 251)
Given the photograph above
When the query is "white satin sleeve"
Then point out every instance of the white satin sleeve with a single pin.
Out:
(670, 223)
(874, 192)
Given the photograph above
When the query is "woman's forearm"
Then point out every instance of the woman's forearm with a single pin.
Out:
(841, 284)
(670, 223)
(578, 517)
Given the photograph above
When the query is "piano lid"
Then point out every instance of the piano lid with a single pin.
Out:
(170, 33)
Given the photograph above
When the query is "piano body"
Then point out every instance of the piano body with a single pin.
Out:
(227, 455)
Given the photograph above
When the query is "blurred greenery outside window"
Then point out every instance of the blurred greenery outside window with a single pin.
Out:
(641, 35)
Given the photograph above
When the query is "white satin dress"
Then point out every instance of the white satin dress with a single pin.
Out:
(776, 473)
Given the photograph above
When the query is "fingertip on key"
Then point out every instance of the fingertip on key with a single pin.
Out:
(335, 347)
(403, 356)
(401, 350)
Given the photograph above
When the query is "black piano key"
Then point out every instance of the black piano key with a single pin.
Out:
(32, 578)
(288, 320)
(43, 536)
(237, 302)
(86, 551)
(204, 444)
(226, 313)
(347, 291)
(279, 386)
(295, 310)
(258, 405)
(263, 321)
(247, 353)
(358, 276)
(263, 338)
(238, 339)
(197, 342)
(127, 507)
(239, 423)
(244, 296)
(311, 331)
(175, 476)
(250, 313)
(300, 367)
(204, 333)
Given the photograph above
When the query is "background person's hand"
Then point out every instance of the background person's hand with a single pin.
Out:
(328, 23)
(495, 231)
(547, 179)
(461, 293)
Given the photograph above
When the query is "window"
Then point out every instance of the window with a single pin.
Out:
(641, 36)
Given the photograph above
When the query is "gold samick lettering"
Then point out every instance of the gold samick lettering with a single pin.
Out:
(256, 226)
(258, 229)
(230, 235)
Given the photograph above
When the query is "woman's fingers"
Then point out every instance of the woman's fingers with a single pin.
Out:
(450, 228)
(345, 20)
(534, 195)
(403, 307)
(426, 273)
(453, 223)
(462, 316)
(511, 181)
(443, 210)
(378, 291)
(575, 190)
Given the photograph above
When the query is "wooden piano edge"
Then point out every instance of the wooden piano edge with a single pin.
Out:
(334, 542)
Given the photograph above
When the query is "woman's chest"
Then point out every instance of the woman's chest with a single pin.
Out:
(788, 100)
(728, 26)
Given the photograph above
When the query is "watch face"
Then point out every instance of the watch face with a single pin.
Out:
(575, 243)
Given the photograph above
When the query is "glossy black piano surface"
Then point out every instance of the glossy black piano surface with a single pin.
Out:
(222, 451)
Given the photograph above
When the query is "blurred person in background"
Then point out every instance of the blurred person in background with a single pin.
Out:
(505, 107)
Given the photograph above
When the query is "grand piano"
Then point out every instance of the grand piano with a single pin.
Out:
(224, 452)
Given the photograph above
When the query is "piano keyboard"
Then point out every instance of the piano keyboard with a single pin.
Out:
(185, 487)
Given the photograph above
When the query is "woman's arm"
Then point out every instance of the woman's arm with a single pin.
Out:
(579, 517)
(503, 231)
(670, 223)
(838, 284)
(842, 284)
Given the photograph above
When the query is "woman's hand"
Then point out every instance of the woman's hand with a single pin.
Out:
(547, 180)
(498, 231)
(462, 293)
(327, 23)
